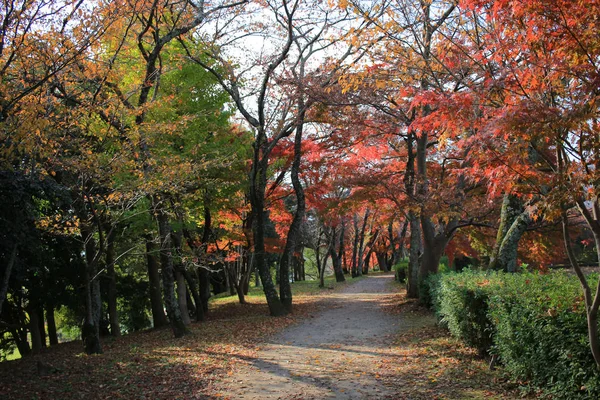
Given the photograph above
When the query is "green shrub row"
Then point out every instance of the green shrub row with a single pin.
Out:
(534, 323)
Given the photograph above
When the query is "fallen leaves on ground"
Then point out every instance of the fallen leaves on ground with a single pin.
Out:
(423, 363)
(427, 363)
(152, 364)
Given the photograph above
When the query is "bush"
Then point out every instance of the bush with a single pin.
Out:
(461, 303)
(535, 324)
(400, 270)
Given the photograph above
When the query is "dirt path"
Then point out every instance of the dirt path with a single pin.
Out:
(335, 354)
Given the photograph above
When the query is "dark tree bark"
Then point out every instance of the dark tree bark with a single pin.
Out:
(258, 179)
(182, 296)
(91, 328)
(204, 286)
(34, 330)
(358, 244)
(412, 281)
(335, 256)
(41, 325)
(178, 268)
(166, 261)
(158, 312)
(355, 240)
(342, 249)
(52, 336)
(113, 315)
(592, 299)
(382, 261)
(293, 237)
(20, 337)
(199, 307)
(369, 252)
(6, 276)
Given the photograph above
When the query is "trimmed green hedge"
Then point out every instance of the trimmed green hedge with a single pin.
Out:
(534, 323)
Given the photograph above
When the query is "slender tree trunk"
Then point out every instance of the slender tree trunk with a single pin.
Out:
(115, 327)
(361, 244)
(190, 302)
(288, 255)
(200, 315)
(592, 301)
(21, 342)
(412, 281)
(178, 268)
(34, 330)
(258, 181)
(320, 269)
(6, 276)
(158, 313)
(229, 278)
(354, 266)
(248, 269)
(41, 325)
(52, 336)
(335, 258)
(166, 261)
(182, 297)
(341, 254)
(91, 327)
(204, 286)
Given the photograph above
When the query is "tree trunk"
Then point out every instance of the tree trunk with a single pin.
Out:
(204, 286)
(41, 325)
(382, 261)
(20, 337)
(592, 301)
(190, 302)
(182, 297)
(434, 244)
(412, 282)
(166, 261)
(52, 336)
(341, 253)
(361, 242)
(514, 220)
(6, 276)
(320, 269)
(230, 279)
(115, 327)
(90, 332)
(34, 330)
(335, 258)
(507, 256)
(200, 315)
(248, 270)
(158, 313)
(354, 265)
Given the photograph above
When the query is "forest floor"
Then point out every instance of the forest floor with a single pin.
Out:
(358, 340)
(369, 342)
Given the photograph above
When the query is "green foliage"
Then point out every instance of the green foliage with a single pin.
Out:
(444, 265)
(401, 270)
(134, 303)
(461, 303)
(535, 323)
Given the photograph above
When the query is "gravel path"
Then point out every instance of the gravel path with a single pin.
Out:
(335, 354)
